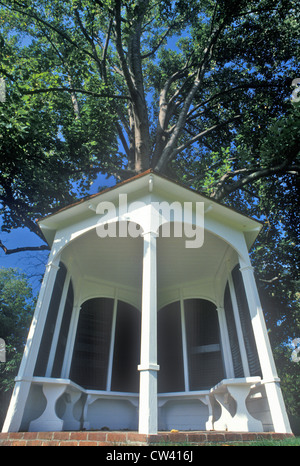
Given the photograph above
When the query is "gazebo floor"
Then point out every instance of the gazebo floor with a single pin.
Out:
(129, 438)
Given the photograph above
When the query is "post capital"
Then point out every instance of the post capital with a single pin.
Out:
(152, 233)
(148, 367)
(53, 265)
(247, 268)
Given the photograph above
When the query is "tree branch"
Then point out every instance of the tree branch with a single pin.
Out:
(90, 41)
(204, 133)
(225, 190)
(156, 47)
(72, 90)
(272, 280)
(164, 114)
(105, 49)
(120, 50)
(123, 140)
(251, 85)
(170, 150)
(33, 15)
(43, 247)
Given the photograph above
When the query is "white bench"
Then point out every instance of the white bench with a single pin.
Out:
(94, 395)
(235, 418)
(53, 389)
(199, 395)
(230, 394)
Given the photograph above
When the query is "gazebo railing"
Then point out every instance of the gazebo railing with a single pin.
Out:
(228, 397)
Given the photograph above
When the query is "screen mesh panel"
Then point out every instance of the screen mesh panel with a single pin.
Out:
(203, 344)
(46, 341)
(170, 357)
(125, 375)
(63, 334)
(232, 333)
(92, 343)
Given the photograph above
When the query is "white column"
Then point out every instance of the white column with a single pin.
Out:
(258, 323)
(21, 390)
(148, 363)
(268, 368)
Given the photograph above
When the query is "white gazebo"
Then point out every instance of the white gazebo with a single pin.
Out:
(148, 319)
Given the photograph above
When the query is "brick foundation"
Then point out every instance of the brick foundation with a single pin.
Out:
(113, 438)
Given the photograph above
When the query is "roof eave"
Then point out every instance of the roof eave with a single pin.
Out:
(51, 223)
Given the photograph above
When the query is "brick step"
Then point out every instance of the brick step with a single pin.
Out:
(116, 438)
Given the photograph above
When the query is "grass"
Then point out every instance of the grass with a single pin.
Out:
(287, 442)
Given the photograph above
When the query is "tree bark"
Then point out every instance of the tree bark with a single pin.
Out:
(133, 73)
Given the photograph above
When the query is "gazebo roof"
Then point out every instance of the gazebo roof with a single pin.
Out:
(137, 186)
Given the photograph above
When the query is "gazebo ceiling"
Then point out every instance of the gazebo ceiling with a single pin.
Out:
(119, 260)
(179, 265)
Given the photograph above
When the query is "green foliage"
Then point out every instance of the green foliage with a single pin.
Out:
(289, 374)
(46, 147)
(245, 83)
(16, 308)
